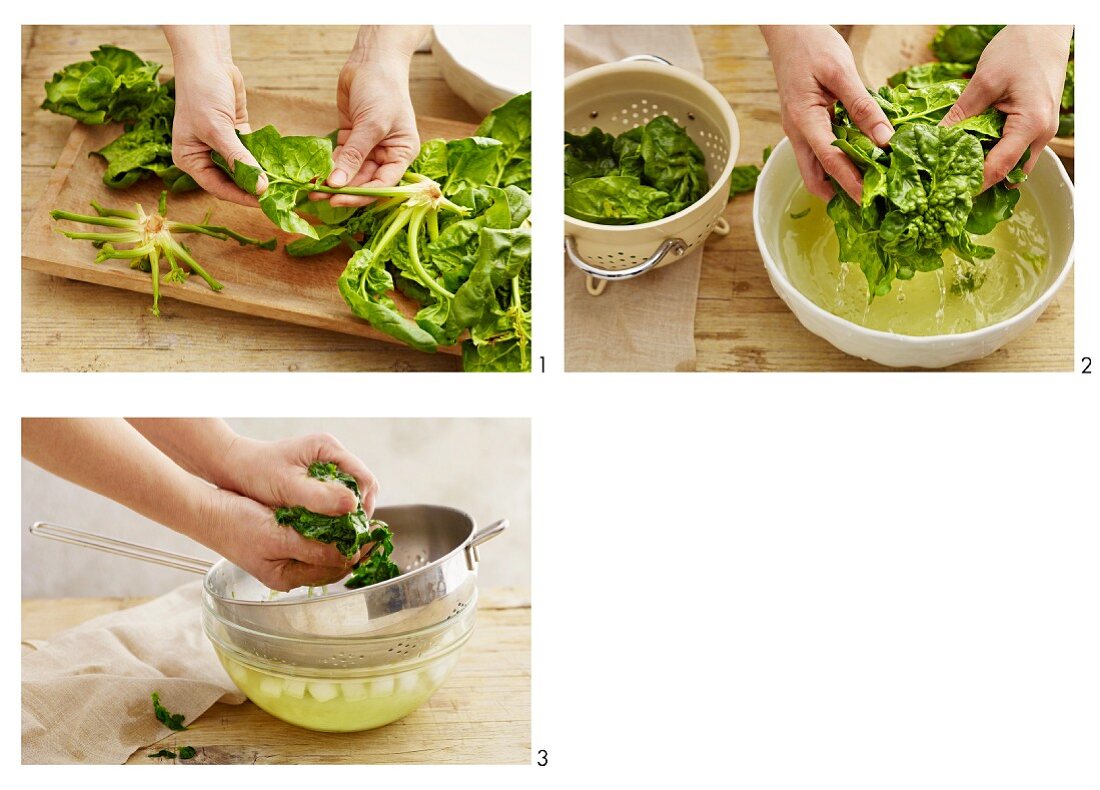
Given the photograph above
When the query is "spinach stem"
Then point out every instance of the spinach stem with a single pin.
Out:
(415, 222)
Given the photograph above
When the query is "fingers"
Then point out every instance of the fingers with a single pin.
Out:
(354, 153)
(212, 178)
(861, 106)
(224, 140)
(812, 173)
(817, 129)
(976, 98)
(364, 177)
(1004, 156)
(292, 546)
(325, 447)
(285, 575)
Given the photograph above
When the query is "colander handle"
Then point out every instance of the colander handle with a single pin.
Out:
(647, 58)
(121, 548)
(674, 246)
(479, 537)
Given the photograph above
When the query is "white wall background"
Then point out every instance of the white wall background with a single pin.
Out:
(481, 466)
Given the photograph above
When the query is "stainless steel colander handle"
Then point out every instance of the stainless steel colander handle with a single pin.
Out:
(674, 246)
(479, 537)
(122, 548)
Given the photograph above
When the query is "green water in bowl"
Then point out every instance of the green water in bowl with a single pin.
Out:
(931, 303)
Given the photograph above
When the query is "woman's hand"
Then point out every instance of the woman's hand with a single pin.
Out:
(1021, 73)
(377, 139)
(814, 69)
(246, 533)
(275, 474)
(210, 108)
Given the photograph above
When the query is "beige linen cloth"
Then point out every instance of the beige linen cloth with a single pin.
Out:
(86, 691)
(647, 323)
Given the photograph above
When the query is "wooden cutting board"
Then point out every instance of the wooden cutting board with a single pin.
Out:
(257, 282)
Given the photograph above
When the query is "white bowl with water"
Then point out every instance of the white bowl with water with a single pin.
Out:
(1048, 184)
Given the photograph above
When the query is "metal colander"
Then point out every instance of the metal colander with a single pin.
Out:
(435, 547)
(618, 97)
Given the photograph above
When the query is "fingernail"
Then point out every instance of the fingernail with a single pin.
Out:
(882, 134)
(338, 178)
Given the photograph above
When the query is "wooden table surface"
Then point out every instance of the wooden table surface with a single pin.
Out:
(481, 715)
(68, 325)
(740, 322)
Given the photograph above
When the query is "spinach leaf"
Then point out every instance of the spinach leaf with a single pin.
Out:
(591, 155)
(173, 721)
(930, 73)
(643, 175)
(920, 196)
(294, 166)
(510, 124)
(743, 179)
(187, 752)
(349, 532)
(962, 43)
(615, 200)
(117, 85)
(163, 753)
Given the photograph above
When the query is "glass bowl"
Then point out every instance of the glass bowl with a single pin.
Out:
(344, 684)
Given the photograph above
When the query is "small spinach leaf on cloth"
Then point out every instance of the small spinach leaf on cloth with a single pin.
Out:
(173, 721)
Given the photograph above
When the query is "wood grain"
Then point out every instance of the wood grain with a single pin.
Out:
(481, 715)
(740, 323)
(69, 325)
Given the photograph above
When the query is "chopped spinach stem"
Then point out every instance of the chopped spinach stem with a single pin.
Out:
(182, 252)
(120, 238)
(105, 221)
(103, 211)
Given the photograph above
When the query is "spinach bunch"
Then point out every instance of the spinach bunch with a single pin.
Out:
(454, 234)
(151, 239)
(643, 175)
(921, 196)
(117, 85)
(348, 532)
(958, 49)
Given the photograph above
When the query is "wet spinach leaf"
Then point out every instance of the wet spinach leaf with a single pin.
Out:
(921, 195)
(348, 532)
(643, 175)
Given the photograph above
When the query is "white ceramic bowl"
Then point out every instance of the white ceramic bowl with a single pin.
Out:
(486, 65)
(779, 180)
